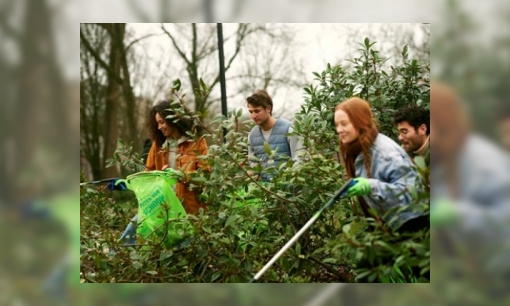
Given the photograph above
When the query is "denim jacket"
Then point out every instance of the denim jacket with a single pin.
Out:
(392, 177)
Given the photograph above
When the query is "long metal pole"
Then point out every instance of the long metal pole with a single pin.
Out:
(219, 27)
(100, 181)
(339, 193)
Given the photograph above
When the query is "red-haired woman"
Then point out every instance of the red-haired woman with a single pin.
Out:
(383, 172)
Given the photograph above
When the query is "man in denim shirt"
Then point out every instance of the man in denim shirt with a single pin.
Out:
(413, 124)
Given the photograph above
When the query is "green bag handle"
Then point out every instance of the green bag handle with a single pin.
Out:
(171, 173)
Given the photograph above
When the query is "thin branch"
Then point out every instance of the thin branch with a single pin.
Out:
(205, 268)
(242, 32)
(139, 39)
(208, 47)
(330, 270)
(108, 27)
(181, 53)
(219, 99)
(98, 58)
(85, 274)
(277, 80)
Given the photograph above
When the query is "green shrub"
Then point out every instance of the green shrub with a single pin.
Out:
(247, 222)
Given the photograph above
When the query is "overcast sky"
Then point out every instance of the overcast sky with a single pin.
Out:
(317, 45)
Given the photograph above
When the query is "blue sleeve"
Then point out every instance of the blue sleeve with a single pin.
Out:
(393, 178)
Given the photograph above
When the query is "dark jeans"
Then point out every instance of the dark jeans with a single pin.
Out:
(415, 225)
(412, 226)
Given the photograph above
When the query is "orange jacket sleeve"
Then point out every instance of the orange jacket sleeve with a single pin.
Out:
(203, 149)
(151, 158)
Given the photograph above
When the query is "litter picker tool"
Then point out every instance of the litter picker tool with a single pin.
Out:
(100, 181)
(337, 195)
(112, 183)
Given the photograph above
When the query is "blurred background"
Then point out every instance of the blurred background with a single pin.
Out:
(40, 122)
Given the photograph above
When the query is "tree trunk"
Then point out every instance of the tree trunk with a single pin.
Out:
(193, 71)
(113, 95)
(132, 111)
(40, 100)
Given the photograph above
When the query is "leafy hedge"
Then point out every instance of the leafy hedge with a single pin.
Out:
(247, 222)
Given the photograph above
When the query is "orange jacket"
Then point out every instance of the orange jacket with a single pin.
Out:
(187, 161)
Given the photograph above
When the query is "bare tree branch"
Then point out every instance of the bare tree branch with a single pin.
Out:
(98, 58)
(129, 45)
(174, 42)
(208, 47)
(269, 78)
(242, 32)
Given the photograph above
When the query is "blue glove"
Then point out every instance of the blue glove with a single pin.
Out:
(112, 186)
(129, 235)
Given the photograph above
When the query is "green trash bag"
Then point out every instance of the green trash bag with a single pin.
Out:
(245, 197)
(244, 200)
(153, 189)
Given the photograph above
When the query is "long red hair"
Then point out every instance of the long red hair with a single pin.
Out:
(362, 118)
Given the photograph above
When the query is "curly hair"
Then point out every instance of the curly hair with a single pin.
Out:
(414, 115)
(165, 109)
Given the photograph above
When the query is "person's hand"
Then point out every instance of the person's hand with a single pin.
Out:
(361, 187)
(113, 186)
(443, 212)
(177, 174)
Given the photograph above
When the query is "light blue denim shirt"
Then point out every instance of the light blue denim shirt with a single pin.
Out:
(392, 177)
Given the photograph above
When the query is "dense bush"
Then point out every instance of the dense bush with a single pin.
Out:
(247, 222)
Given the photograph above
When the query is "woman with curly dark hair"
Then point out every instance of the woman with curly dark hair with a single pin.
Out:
(173, 147)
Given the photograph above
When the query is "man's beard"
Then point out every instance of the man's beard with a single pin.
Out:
(414, 146)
